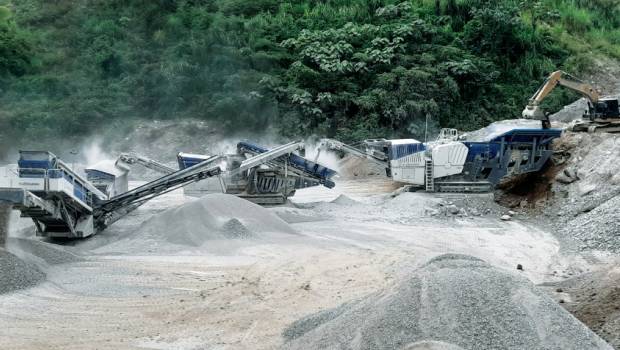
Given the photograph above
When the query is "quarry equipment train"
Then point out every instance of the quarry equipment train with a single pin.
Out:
(458, 164)
(63, 203)
(602, 114)
(254, 173)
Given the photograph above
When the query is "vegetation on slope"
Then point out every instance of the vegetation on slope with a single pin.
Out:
(344, 68)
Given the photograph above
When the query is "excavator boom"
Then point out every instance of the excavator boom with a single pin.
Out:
(599, 110)
(564, 79)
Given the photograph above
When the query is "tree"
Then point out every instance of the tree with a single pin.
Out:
(15, 48)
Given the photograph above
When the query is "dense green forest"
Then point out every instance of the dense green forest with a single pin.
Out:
(343, 68)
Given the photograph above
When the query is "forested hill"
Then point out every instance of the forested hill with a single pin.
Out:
(344, 68)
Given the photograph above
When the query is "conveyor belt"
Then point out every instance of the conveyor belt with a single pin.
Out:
(113, 209)
(132, 158)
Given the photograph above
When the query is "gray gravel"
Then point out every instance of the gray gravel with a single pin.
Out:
(5, 214)
(598, 229)
(15, 274)
(212, 222)
(586, 193)
(469, 204)
(41, 252)
(570, 112)
(455, 299)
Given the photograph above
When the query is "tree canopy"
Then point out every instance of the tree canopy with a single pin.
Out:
(345, 68)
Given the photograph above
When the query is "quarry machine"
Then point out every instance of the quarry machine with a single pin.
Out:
(457, 164)
(64, 204)
(602, 114)
(261, 175)
(257, 174)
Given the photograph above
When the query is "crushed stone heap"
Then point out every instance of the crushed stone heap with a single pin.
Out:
(5, 214)
(586, 192)
(16, 274)
(214, 217)
(452, 302)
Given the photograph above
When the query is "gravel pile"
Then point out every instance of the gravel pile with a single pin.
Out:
(586, 192)
(214, 217)
(5, 215)
(458, 300)
(573, 111)
(467, 205)
(598, 229)
(43, 252)
(351, 167)
(16, 274)
(344, 200)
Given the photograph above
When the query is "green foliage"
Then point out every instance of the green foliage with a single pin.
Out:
(15, 47)
(392, 73)
(5, 14)
(248, 8)
(345, 68)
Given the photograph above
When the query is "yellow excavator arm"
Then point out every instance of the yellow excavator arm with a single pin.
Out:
(533, 110)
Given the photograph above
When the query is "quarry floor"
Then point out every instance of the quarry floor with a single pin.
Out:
(243, 296)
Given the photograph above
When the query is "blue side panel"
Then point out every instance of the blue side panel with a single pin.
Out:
(298, 162)
(39, 164)
(542, 136)
(35, 164)
(488, 149)
(492, 149)
(79, 191)
(403, 150)
(186, 162)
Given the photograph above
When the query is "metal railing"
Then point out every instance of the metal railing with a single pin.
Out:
(79, 189)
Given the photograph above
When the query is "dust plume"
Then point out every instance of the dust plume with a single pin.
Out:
(323, 157)
(92, 153)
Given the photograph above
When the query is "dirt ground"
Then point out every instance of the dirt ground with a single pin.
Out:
(243, 298)
(594, 298)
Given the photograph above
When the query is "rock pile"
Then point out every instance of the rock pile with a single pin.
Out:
(470, 205)
(351, 167)
(5, 214)
(214, 217)
(16, 274)
(586, 192)
(454, 301)
(597, 228)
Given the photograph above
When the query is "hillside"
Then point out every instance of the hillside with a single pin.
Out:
(344, 68)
